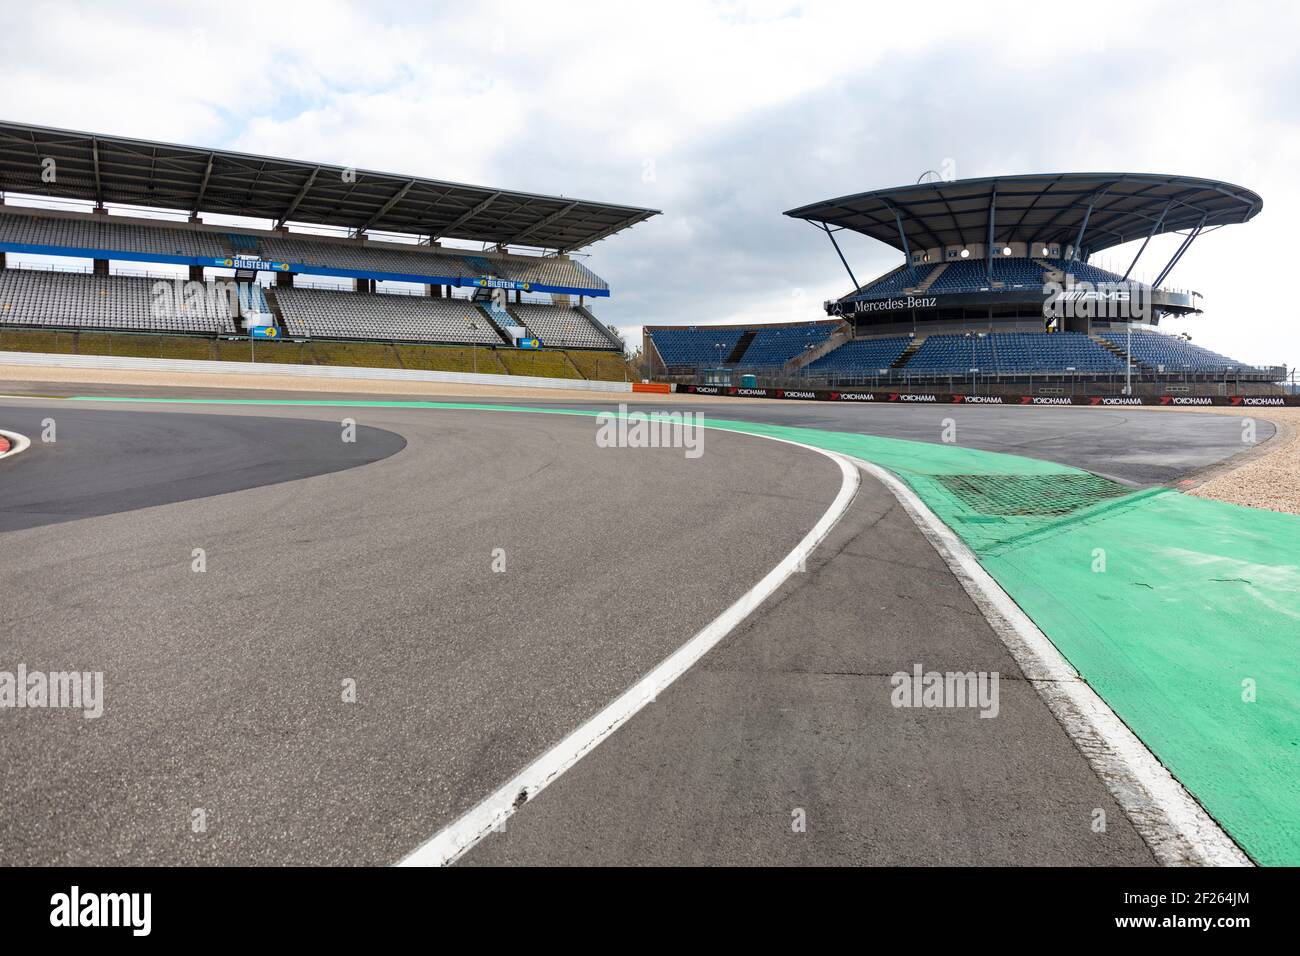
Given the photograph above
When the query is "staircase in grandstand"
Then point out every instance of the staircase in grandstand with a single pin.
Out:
(1111, 347)
(808, 356)
(254, 309)
(741, 345)
(242, 245)
(274, 307)
(930, 279)
(908, 352)
(499, 317)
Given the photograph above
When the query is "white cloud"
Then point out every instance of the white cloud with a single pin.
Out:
(744, 110)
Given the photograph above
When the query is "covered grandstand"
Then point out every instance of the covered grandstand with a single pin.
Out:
(90, 240)
(994, 292)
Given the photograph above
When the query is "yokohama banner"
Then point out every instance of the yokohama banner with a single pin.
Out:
(957, 398)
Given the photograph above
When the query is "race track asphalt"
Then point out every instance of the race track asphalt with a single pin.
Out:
(224, 688)
(371, 562)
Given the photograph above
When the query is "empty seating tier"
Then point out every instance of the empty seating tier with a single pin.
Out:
(696, 345)
(77, 300)
(895, 283)
(561, 327)
(102, 232)
(353, 315)
(355, 256)
(775, 347)
(169, 241)
(1084, 272)
(861, 357)
(971, 275)
(1158, 351)
(1012, 353)
(358, 257)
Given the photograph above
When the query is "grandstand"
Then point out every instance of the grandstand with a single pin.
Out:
(995, 291)
(320, 252)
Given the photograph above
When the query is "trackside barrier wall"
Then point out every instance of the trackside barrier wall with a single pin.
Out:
(957, 398)
(116, 363)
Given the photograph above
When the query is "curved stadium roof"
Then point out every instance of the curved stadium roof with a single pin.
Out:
(142, 173)
(1046, 207)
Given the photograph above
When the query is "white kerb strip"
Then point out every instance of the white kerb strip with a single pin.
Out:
(1177, 829)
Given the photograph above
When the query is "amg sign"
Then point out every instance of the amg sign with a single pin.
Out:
(1116, 301)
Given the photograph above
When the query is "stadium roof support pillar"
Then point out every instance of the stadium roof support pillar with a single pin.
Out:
(1083, 227)
(545, 221)
(830, 234)
(902, 235)
(203, 188)
(1191, 237)
(99, 182)
(988, 246)
(469, 214)
(1154, 229)
(297, 199)
(386, 207)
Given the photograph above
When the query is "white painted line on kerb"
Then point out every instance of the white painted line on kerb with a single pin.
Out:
(1175, 827)
(17, 443)
(450, 843)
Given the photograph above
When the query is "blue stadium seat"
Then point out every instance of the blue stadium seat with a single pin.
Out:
(894, 283)
(1084, 272)
(1012, 353)
(971, 275)
(775, 347)
(696, 345)
(861, 357)
(1154, 349)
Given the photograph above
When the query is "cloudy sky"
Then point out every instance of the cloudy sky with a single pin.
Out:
(722, 115)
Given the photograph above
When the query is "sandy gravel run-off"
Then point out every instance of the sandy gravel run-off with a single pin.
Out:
(1270, 479)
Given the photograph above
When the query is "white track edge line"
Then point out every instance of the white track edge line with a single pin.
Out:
(17, 443)
(1173, 824)
(450, 843)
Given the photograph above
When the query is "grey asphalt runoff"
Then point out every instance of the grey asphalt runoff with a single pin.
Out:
(224, 688)
(102, 462)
